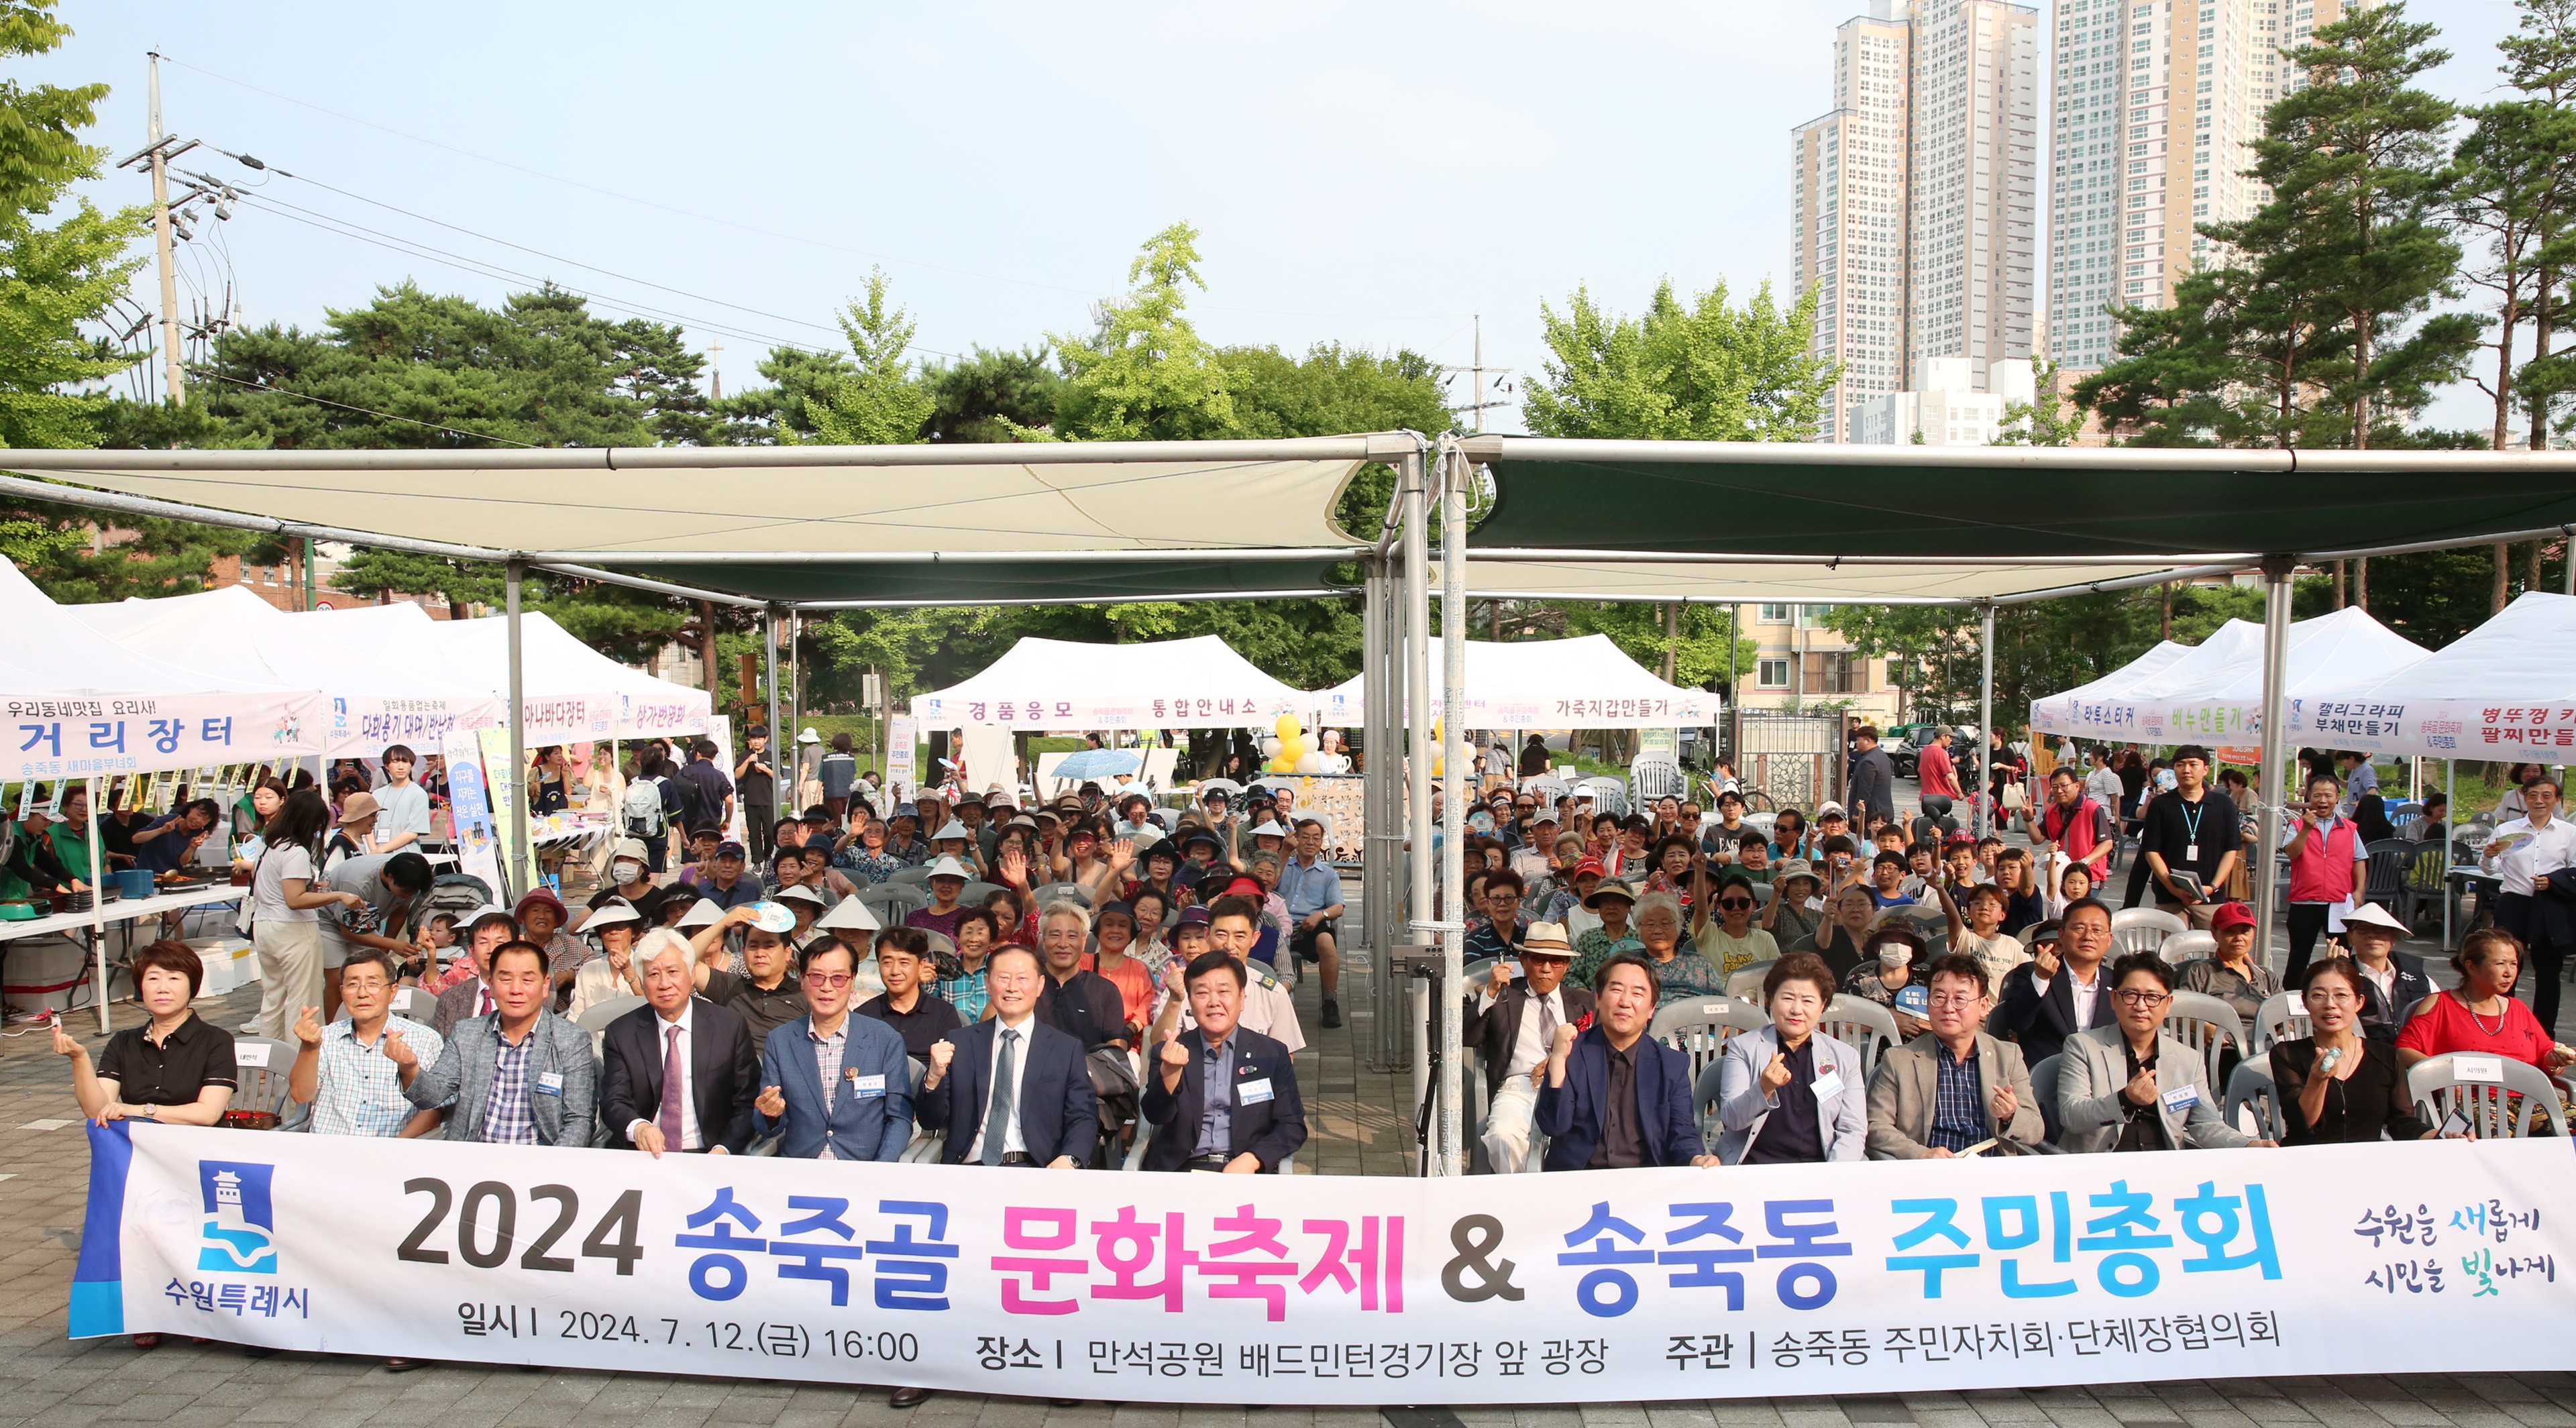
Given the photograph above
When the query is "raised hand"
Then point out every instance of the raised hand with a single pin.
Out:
(1775, 1075)
(399, 1051)
(64, 1045)
(308, 1027)
(2043, 960)
(2004, 1105)
(1122, 855)
(941, 1053)
(2141, 1089)
(771, 1103)
(1175, 1057)
(1499, 979)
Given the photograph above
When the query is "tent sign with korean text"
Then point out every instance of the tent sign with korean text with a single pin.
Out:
(1851, 1277)
(2505, 690)
(1583, 683)
(1198, 683)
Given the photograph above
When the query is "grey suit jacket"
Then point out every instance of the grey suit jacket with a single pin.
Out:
(1742, 1107)
(1902, 1089)
(461, 1080)
(2094, 1066)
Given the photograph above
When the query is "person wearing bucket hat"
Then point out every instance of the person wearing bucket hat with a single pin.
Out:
(948, 878)
(1513, 1021)
(2231, 972)
(615, 972)
(541, 918)
(1615, 903)
(630, 880)
(1790, 918)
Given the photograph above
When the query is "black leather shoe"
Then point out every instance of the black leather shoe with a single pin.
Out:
(1332, 1014)
(401, 1365)
(906, 1397)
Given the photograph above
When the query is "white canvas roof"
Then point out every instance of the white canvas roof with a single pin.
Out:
(369, 698)
(1583, 683)
(80, 704)
(1196, 683)
(2505, 690)
(573, 692)
(2215, 692)
(2082, 710)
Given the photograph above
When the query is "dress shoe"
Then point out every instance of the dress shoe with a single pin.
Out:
(906, 1397)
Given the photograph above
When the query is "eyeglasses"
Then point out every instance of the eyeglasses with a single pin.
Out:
(829, 981)
(1956, 999)
(1735, 902)
(2143, 999)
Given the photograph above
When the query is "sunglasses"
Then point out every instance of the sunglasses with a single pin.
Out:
(1735, 902)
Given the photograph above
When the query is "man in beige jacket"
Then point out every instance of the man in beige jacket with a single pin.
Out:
(1954, 1086)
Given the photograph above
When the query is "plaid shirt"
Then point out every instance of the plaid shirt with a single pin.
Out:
(1958, 1104)
(506, 1116)
(358, 1091)
(968, 993)
(828, 1051)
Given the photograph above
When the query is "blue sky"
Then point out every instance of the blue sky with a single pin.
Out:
(1373, 174)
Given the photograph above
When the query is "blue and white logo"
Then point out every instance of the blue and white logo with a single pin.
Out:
(241, 1222)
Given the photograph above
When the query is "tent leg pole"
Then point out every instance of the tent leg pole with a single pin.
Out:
(1412, 705)
(98, 915)
(1377, 823)
(516, 574)
(2450, 790)
(1985, 723)
(2267, 801)
(769, 644)
(1453, 706)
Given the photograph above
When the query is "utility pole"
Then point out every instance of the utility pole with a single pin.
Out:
(1476, 412)
(174, 380)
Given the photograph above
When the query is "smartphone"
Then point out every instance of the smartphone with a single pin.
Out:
(2455, 1124)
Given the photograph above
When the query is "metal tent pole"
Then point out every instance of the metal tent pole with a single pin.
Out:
(1453, 792)
(769, 676)
(1423, 918)
(516, 574)
(2276, 664)
(1985, 723)
(2450, 790)
(1378, 836)
(98, 914)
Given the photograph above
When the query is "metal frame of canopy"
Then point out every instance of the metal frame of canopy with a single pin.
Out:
(1395, 589)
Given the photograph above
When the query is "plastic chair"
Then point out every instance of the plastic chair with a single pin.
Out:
(2184, 947)
(1053, 891)
(2142, 929)
(2206, 1025)
(891, 901)
(2282, 1017)
(1548, 787)
(1654, 776)
(1609, 795)
(1746, 983)
(909, 877)
(596, 1017)
(2043, 1089)
(2426, 882)
(2390, 860)
(2253, 1102)
(1698, 1027)
(1865, 1025)
(265, 1088)
(974, 893)
(2494, 1109)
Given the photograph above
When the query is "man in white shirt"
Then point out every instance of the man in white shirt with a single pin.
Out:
(2523, 854)
(1513, 1021)
(2059, 992)
(402, 818)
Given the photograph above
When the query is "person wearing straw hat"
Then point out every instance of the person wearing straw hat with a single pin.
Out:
(1613, 902)
(948, 879)
(805, 905)
(956, 841)
(2392, 982)
(615, 972)
(1788, 918)
(1512, 1020)
(765, 993)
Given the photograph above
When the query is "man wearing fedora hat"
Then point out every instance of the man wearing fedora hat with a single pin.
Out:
(1513, 1021)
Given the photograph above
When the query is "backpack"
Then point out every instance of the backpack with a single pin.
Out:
(642, 809)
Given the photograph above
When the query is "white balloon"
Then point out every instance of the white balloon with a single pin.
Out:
(1270, 747)
(1313, 763)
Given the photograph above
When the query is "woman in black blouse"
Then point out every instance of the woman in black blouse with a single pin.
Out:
(2339, 1085)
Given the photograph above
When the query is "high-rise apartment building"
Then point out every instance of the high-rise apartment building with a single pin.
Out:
(1915, 203)
(2153, 104)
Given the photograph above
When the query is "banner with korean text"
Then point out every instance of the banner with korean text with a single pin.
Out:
(1871, 1277)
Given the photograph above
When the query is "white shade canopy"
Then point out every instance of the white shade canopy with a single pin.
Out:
(1582, 683)
(1196, 683)
(2505, 690)
(573, 692)
(80, 704)
(370, 697)
(2215, 692)
(2087, 709)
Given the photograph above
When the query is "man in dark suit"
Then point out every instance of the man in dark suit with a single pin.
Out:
(1513, 1022)
(680, 1071)
(1011, 1090)
(1615, 1097)
(2058, 994)
(1255, 1119)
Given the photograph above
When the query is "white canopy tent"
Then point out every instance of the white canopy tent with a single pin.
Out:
(1198, 683)
(2505, 690)
(369, 699)
(2214, 691)
(573, 691)
(1583, 683)
(2085, 709)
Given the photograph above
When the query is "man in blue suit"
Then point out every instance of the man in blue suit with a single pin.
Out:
(1615, 1097)
(1255, 1119)
(1012, 1090)
(840, 1084)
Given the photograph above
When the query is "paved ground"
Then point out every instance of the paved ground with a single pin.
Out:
(47, 1380)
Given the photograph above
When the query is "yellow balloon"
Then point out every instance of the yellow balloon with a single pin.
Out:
(1289, 726)
(1277, 766)
(1292, 747)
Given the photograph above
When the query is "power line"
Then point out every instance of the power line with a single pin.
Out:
(205, 371)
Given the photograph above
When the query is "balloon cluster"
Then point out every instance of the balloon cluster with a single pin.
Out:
(1289, 750)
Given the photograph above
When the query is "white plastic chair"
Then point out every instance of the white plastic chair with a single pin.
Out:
(2253, 1101)
(1865, 1025)
(265, 1088)
(2184, 947)
(1746, 982)
(2207, 1025)
(1654, 776)
(2142, 929)
(2494, 1109)
(890, 901)
(1698, 1027)
(2282, 1017)
(1053, 891)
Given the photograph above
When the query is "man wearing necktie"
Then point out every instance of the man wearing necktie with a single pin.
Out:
(1221, 1097)
(678, 1073)
(1011, 1090)
(1513, 1021)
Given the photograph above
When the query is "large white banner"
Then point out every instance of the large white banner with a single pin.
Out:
(1876, 1277)
(85, 736)
(2438, 728)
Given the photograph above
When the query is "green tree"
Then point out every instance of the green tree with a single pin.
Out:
(2540, 63)
(1703, 372)
(2046, 419)
(882, 402)
(2513, 179)
(1332, 391)
(993, 395)
(1145, 374)
(801, 382)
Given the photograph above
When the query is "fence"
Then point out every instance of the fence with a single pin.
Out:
(1795, 758)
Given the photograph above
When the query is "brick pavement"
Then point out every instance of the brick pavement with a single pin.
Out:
(47, 1381)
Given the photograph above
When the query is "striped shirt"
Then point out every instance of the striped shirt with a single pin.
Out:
(358, 1089)
(508, 1118)
(828, 1051)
